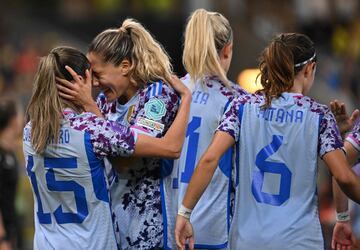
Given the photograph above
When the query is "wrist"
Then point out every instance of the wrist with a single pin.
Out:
(343, 216)
(185, 212)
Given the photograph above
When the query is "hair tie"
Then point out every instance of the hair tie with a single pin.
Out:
(122, 29)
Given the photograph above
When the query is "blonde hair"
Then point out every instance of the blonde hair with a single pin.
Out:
(45, 107)
(206, 34)
(133, 42)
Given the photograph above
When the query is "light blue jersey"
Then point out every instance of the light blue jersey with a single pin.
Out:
(72, 209)
(211, 216)
(276, 170)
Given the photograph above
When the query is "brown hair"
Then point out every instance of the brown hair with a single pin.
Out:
(133, 42)
(206, 34)
(281, 60)
(45, 107)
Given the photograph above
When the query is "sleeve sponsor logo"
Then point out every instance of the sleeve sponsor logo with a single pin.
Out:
(153, 125)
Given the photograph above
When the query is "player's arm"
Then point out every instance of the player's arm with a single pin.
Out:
(227, 133)
(111, 139)
(344, 176)
(343, 236)
(201, 178)
(170, 145)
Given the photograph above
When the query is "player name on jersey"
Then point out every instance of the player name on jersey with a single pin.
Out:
(64, 136)
(280, 115)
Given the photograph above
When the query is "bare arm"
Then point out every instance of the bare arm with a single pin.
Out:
(343, 235)
(344, 176)
(340, 199)
(206, 167)
(199, 181)
(170, 145)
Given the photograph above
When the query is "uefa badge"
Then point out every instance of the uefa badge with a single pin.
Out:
(155, 109)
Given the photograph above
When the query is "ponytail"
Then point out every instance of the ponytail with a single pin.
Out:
(280, 61)
(45, 107)
(133, 42)
(205, 35)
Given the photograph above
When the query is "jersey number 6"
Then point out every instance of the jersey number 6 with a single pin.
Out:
(273, 168)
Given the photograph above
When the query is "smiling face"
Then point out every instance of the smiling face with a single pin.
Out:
(112, 80)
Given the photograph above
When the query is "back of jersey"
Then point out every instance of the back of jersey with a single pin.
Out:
(276, 173)
(72, 208)
(210, 217)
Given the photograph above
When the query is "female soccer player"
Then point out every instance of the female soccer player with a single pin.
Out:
(132, 69)
(343, 236)
(64, 150)
(278, 135)
(207, 56)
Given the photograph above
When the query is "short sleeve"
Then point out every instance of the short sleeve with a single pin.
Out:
(156, 110)
(230, 122)
(108, 138)
(354, 136)
(329, 135)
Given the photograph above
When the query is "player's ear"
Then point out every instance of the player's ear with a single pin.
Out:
(125, 67)
(226, 52)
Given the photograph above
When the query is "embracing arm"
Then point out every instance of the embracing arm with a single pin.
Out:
(170, 145)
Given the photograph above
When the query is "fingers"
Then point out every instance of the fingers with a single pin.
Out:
(179, 243)
(355, 115)
(88, 74)
(353, 239)
(65, 83)
(332, 107)
(191, 242)
(73, 74)
(65, 96)
(66, 90)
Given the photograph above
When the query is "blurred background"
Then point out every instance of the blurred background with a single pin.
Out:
(30, 28)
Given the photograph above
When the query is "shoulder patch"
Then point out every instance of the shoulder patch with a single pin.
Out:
(155, 109)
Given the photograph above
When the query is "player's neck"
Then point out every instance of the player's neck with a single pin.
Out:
(129, 93)
(298, 86)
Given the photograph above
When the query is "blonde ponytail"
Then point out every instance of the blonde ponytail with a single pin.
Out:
(205, 35)
(132, 41)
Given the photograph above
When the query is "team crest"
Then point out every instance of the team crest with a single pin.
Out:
(155, 109)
